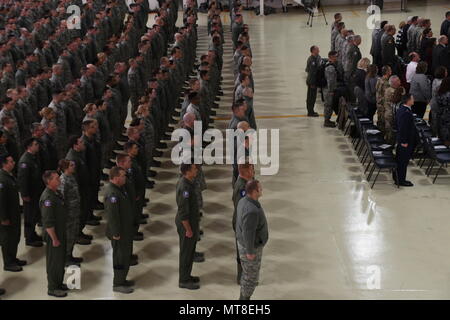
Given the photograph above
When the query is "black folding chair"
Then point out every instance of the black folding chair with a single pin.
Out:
(441, 156)
(381, 162)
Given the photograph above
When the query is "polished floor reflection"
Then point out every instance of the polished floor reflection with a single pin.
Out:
(331, 236)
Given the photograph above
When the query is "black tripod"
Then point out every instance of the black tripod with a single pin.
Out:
(315, 10)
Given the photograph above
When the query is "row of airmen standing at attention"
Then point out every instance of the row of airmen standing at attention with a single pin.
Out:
(198, 106)
(84, 156)
(249, 221)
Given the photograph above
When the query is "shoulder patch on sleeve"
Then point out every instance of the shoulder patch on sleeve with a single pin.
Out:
(185, 194)
(243, 193)
(113, 199)
(1, 185)
(47, 203)
(23, 165)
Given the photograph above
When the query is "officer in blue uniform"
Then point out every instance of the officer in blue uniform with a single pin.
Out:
(405, 139)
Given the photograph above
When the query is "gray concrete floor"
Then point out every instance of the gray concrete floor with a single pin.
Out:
(328, 230)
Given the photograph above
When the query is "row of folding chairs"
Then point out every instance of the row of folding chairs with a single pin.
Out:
(371, 148)
(430, 149)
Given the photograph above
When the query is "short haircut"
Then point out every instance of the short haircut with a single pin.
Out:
(121, 157)
(440, 71)
(63, 164)
(244, 166)
(447, 14)
(337, 15)
(426, 31)
(422, 67)
(115, 172)
(242, 77)
(312, 49)
(5, 120)
(48, 124)
(128, 145)
(251, 186)
(406, 98)
(192, 95)
(86, 124)
(392, 79)
(4, 159)
(236, 105)
(29, 142)
(48, 175)
(185, 167)
(203, 73)
(35, 126)
(73, 140)
(385, 70)
(332, 53)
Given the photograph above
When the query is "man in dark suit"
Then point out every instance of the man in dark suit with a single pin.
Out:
(441, 56)
(405, 139)
(445, 26)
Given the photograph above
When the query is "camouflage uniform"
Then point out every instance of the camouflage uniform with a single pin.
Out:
(69, 189)
(331, 76)
(389, 113)
(382, 85)
(252, 234)
(350, 61)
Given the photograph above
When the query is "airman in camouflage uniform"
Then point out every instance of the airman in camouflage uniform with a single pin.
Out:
(380, 88)
(331, 74)
(392, 96)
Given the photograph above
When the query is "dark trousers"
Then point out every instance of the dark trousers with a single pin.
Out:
(56, 261)
(93, 198)
(311, 97)
(371, 110)
(238, 263)
(187, 250)
(31, 216)
(235, 174)
(84, 204)
(419, 108)
(122, 251)
(9, 239)
(402, 156)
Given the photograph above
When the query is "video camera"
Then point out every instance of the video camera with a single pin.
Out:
(310, 5)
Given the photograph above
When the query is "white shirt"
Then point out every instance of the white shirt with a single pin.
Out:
(410, 71)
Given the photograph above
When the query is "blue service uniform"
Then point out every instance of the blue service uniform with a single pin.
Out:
(405, 134)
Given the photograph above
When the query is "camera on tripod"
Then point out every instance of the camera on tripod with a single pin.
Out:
(310, 5)
(314, 9)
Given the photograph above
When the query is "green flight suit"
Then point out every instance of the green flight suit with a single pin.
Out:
(120, 222)
(54, 211)
(187, 210)
(238, 194)
(9, 210)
